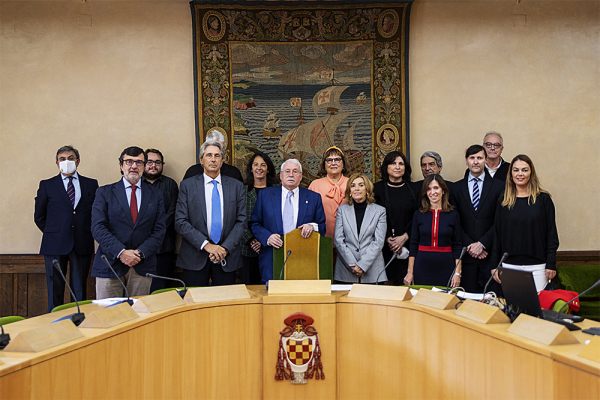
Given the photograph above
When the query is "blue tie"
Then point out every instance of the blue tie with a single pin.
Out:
(215, 223)
(475, 193)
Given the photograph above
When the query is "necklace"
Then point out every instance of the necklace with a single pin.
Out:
(395, 184)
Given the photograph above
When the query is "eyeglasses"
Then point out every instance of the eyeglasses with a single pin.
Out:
(158, 163)
(129, 162)
(492, 145)
(333, 160)
(294, 172)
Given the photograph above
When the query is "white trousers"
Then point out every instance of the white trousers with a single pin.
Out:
(538, 270)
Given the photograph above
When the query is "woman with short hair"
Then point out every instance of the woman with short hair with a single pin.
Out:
(359, 234)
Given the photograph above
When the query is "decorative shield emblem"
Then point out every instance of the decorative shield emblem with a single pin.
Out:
(299, 354)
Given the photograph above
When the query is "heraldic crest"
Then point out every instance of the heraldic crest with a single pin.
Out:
(299, 354)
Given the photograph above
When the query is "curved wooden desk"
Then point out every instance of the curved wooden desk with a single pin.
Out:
(227, 350)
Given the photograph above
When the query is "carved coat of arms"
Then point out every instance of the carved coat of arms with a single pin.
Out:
(299, 353)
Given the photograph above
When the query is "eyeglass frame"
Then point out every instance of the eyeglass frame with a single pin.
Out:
(155, 162)
(335, 160)
(130, 161)
(490, 145)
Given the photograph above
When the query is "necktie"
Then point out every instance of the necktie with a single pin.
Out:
(215, 223)
(288, 214)
(133, 204)
(71, 191)
(475, 193)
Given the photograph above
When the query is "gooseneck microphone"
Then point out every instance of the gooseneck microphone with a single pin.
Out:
(497, 273)
(283, 266)
(180, 292)
(4, 338)
(78, 317)
(576, 297)
(462, 253)
(384, 268)
(103, 257)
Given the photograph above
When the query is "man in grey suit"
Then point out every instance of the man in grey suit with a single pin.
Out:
(211, 218)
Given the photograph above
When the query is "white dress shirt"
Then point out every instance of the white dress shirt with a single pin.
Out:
(208, 192)
(295, 205)
(138, 192)
(65, 180)
(471, 183)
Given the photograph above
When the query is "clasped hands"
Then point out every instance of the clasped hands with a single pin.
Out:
(356, 270)
(276, 241)
(476, 250)
(397, 242)
(215, 252)
(130, 257)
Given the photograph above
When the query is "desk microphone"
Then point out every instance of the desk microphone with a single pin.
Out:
(497, 273)
(4, 338)
(283, 266)
(180, 292)
(103, 257)
(462, 253)
(78, 317)
(384, 268)
(576, 297)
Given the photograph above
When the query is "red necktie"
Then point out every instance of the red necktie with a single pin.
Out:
(133, 204)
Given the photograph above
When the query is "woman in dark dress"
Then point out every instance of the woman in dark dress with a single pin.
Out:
(435, 244)
(260, 173)
(525, 225)
(395, 193)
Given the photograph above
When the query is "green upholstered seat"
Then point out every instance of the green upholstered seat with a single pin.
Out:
(10, 319)
(70, 305)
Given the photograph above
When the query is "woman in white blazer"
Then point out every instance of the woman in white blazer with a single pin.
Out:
(360, 229)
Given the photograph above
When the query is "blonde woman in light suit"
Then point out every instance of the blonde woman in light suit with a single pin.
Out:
(360, 229)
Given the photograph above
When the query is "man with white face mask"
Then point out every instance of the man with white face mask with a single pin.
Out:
(63, 212)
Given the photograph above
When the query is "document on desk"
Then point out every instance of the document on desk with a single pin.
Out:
(111, 300)
(463, 295)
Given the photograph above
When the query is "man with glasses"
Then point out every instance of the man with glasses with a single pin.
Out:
(211, 218)
(153, 175)
(280, 210)
(495, 165)
(63, 212)
(128, 222)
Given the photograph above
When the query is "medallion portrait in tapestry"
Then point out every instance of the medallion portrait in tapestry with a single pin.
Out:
(213, 23)
(296, 100)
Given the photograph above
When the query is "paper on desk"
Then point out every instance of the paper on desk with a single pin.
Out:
(461, 295)
(111, 300)
(340, 288)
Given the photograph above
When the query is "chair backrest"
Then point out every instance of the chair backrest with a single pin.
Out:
(70, 305)
(310, 258)
(10, 319)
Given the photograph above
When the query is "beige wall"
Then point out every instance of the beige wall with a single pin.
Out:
(127, 80)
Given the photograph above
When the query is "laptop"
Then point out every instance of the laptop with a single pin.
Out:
(522, 297)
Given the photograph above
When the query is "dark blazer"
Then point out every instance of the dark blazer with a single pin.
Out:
(477, 226)
(226, 170)
(114, 230)
(65, 228)
(191, 218)
(502, 171)
(267, 219)
(170, 191)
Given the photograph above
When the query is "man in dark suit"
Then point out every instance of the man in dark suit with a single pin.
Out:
(495, 165)
(63, 212)
(128, 222)
(475, 197)
(280, 210)
(211, 218)
(226, 169)
(153, 175)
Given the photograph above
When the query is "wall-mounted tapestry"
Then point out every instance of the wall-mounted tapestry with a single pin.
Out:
(292, 79)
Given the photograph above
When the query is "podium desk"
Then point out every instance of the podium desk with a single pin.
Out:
(371, 349)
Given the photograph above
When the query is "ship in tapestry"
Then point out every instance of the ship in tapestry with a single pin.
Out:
(299, 353)
(306, 98)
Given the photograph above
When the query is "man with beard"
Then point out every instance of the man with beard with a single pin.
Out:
(153, 175)
(128, 222)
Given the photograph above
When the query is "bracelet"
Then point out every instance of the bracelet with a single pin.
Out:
(459, 275)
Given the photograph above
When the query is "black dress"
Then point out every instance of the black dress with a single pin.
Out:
(400, 204)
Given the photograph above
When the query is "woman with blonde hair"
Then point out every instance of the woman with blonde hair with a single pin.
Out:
(525, 225)
(435, 243)
(360, 229)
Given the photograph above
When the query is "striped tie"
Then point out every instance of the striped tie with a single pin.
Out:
(71, 191)
(475, 193)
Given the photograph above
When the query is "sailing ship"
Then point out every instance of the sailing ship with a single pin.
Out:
(313, 138)
(361, 98)
(271, 127)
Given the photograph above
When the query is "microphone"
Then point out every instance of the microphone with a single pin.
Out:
(78, 317)
(576, 297)
(497, 273)
(462, 253)
(384, 268)
(283, 266)
(4, 338)
(181, 292)
(119, 279)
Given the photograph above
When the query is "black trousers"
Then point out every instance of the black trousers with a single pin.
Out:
(164, 267)
(250, 271)
(211, 272)
(80, 269)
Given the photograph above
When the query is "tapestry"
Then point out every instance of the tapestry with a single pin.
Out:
(292, 79)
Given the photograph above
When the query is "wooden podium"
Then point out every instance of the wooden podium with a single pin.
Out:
(310, 258)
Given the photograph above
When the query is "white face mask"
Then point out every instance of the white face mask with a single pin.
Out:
(67, 167)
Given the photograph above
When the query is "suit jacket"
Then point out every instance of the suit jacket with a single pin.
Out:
(170, 191)
(114, 230)
(226, 170)
(477, 226)
(191, 218)
(267, 219)
(65, 228)
(362, 249)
